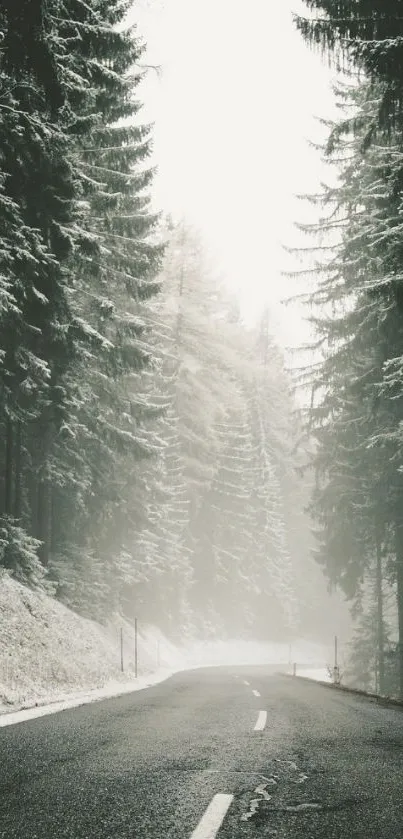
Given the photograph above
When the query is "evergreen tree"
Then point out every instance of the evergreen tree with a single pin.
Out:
(79, 260)
(366, 33)
(38, 196)
(357, 415)
(371, 665)
(215, 553)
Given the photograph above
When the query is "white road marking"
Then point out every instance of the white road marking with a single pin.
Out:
(261, 721)
(213, 818)
(256, 693)
(246, 683)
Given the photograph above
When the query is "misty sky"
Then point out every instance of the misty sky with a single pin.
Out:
(234, 107)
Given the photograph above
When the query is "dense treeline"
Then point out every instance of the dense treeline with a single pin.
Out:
(147, 460)
(226, 501)
(357, 414)
(78, 259)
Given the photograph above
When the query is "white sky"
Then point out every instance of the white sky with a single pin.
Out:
(234, 109)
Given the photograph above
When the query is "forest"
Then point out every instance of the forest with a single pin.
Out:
(154, 460)
(149, 438)
(356, 416)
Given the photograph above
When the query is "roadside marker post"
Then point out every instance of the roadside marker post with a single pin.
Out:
(135, 648)
(336, 671)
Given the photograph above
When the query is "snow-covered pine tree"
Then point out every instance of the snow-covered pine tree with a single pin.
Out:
(65, 347)
(37, 204)
(271, 418)
(208, 374)
(191, 345)
(275, 603)
(109, 298)
(371, 663)
(229, 558)
(364, 33)
(357, 412)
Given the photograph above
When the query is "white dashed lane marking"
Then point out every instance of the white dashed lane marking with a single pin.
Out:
(256, 693)
(213, 818)
(246, 683)
(261, 721)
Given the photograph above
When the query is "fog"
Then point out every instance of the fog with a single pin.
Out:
(235, 129)
(163, 458)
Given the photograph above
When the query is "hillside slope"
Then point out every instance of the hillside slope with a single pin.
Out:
(48, 652)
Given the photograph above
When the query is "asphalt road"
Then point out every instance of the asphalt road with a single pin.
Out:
(182, 760)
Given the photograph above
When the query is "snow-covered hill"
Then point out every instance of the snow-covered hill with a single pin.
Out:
(49, 653)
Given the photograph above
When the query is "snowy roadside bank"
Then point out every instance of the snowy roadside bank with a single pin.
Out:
(380, 698)
(74, 700)
(314, 674)
(50, 655)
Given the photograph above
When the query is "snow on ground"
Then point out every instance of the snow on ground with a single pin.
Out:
(320, 674)
(74, 700)
(211, 653)
(51, 658)
(49, 653)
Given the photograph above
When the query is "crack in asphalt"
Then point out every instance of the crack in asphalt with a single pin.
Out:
(254, 804)
(286, 765)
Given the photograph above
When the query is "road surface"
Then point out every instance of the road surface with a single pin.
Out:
(221, 752)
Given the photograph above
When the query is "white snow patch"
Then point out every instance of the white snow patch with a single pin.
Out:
(241, 652)
(49, 654)
(320, 674)
(74, 700)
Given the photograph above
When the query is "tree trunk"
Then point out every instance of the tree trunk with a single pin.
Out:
(399, 580)
(379, 605)
(17, 482)
(52, 524)
(32, 487)
(44, 514)
(179, 318)
(8, 472)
